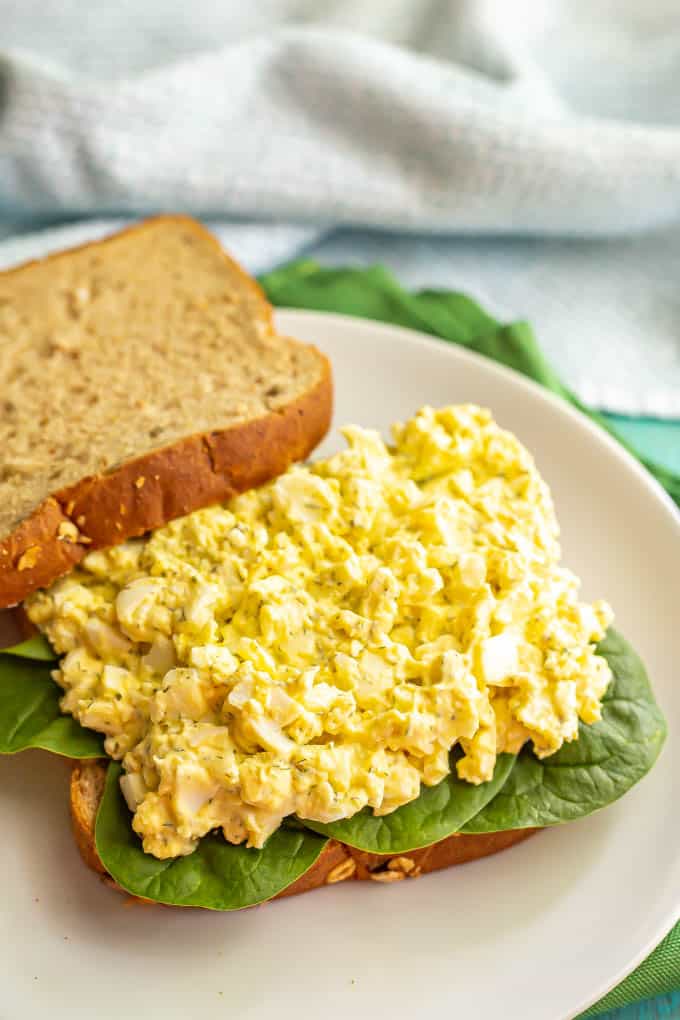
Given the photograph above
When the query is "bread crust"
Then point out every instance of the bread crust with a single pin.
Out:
(337, 862)
(188, 222)
(106, 509)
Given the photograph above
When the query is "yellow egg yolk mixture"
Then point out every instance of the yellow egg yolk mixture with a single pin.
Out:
(322, 643)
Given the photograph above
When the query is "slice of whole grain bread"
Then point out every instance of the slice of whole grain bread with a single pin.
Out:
(142, 379)
(337, 862)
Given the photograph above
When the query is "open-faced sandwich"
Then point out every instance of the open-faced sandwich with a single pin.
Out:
(276, 675)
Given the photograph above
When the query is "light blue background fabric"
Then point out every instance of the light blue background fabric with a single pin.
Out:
(550, 132)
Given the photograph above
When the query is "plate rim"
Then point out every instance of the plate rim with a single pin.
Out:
(580, 420)
(607, 443)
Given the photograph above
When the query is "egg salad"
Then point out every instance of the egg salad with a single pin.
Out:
(320, 645)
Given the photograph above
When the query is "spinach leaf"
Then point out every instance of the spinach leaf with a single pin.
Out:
(217, 875)
(582, 777)
(36, 647)
(30, 714)
(438, 812)
(607, 759)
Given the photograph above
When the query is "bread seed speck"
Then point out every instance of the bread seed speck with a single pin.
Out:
(28, 559)
(405, 864)
(341, 871)
(67, 532)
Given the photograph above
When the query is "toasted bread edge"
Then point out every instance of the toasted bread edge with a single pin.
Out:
(148, 491)
(337, 863)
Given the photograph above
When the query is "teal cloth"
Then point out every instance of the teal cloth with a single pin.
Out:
(658, 440)
(373, 293)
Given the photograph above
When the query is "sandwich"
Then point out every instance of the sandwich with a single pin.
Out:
(274, 674)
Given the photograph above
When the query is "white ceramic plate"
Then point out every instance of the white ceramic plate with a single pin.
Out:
(538, 932)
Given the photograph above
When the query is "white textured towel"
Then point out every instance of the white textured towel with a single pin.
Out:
(548, 135)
